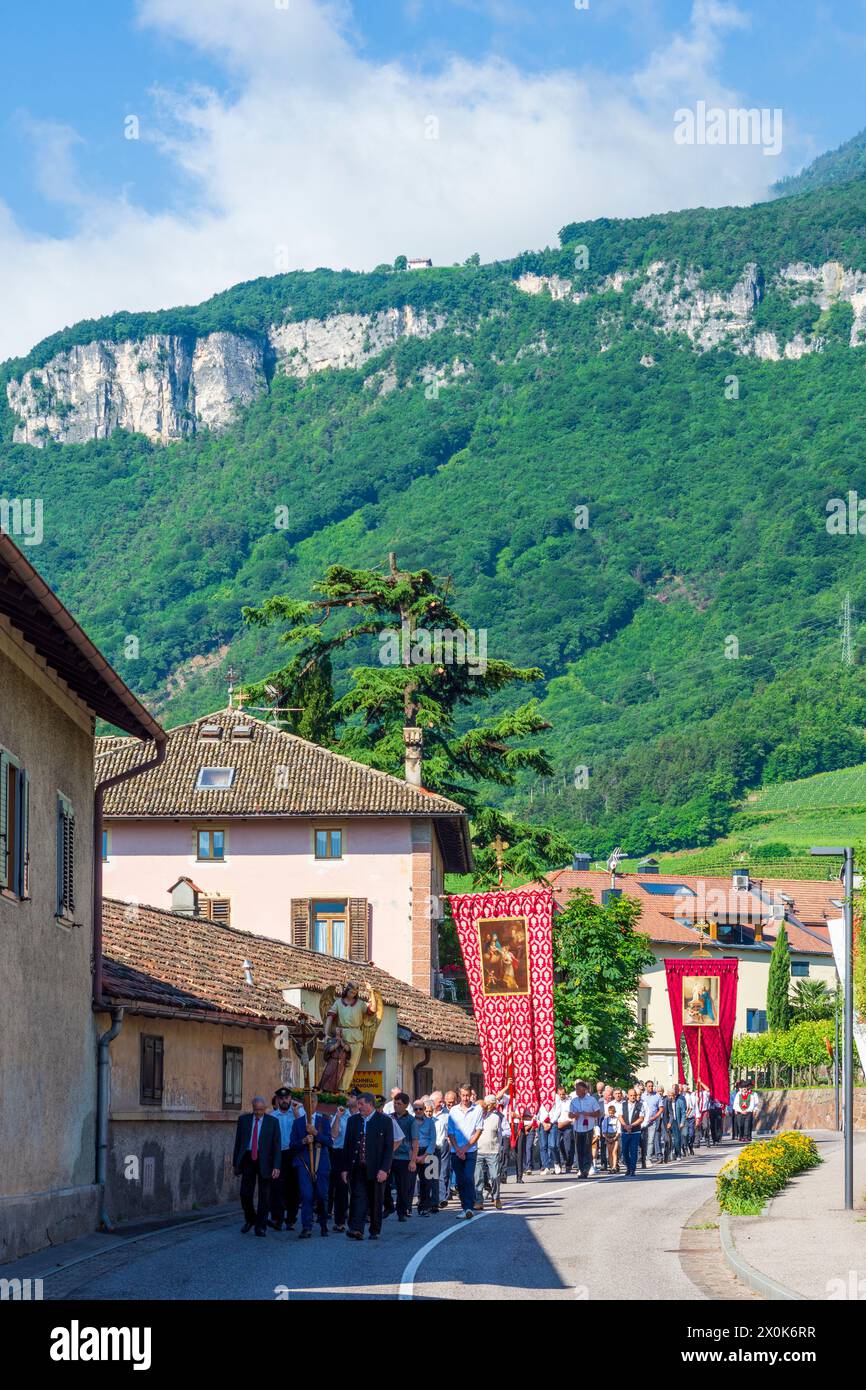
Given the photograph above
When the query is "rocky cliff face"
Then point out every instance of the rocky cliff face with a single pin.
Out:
(677, 303)
(161, 386)
(167, 388)
(346, 340)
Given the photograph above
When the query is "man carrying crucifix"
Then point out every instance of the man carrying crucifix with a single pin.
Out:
(311, 1144)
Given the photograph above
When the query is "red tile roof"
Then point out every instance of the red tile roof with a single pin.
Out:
(195, 964)
(805, 916)
(275, 774)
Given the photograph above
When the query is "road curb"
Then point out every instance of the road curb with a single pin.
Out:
(760, 1283)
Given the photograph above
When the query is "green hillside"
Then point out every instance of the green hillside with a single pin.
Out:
(835, 166)
(707, 511)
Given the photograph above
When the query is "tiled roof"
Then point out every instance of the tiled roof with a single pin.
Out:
(193, 963)
(275, 774)
(805, 916)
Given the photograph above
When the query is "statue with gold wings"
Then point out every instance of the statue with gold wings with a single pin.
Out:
(351, 1018)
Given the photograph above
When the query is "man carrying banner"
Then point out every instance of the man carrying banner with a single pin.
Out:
(585, 1113)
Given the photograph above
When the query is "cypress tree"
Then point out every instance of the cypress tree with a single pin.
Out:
(779, 983)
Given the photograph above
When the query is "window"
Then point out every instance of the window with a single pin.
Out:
(218, 909)
(214, 778)
(329, 929)
(211, 844)
(210, 731)
(329, 844)
(233, 1078)
(105, 846)
(799, 967)
(65, 859)
(150, 1085)
(14, 827)
(756, 1020)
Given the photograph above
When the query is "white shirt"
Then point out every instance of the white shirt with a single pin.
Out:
(440, 1119)
(583, 1110)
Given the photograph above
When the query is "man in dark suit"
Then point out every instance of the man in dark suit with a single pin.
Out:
(311, 1145)
(256, 1159)
(369, 1152)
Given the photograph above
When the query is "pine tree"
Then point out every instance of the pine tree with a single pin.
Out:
(421, 682)
(779, 983)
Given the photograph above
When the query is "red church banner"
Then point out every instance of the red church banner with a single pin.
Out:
(506, 938)
(703, 998)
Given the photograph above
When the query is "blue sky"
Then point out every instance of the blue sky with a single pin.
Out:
(297, 132)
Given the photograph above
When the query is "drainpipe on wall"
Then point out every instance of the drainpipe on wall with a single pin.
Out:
(103, 1096)
(103, 1057)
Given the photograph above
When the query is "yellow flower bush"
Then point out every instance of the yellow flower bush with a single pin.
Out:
(762, 1169)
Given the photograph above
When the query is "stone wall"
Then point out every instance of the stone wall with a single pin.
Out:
(807, 1109)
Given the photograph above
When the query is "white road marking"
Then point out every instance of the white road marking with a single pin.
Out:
(407, 1279)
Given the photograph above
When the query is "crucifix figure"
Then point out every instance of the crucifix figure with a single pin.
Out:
(500, 846)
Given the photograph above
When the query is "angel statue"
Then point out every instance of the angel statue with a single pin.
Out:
(351, 1021)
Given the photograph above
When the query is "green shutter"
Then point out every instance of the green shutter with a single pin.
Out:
(65, 858)
(4, 811)
(23, 884)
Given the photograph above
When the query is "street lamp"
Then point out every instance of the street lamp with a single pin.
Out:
(847, 972)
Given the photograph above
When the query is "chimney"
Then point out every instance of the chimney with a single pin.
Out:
(580, 863)
(413, 738)
(608, 893)
(184, 897)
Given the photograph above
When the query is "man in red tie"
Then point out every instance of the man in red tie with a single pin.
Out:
(256, 1159)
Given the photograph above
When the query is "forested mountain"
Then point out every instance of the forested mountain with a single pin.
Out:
(835, 166)
(694, 381)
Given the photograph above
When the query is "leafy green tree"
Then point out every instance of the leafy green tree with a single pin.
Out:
(779, 983)
(598, 959)
(429, 676)
(810, 1000)
(400, 262)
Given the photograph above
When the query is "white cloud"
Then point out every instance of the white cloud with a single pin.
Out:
(322, 151)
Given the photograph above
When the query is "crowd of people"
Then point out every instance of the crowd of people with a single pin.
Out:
(350, 1170)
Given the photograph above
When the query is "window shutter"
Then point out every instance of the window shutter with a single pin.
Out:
(301, 922)
(358, 943)
(65, 858)
(23, 886)
(4, 811)
(218, 909)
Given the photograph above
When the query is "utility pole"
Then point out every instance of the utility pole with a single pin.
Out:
(845, 623)
(846, 971)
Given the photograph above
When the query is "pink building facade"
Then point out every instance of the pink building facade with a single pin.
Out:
(360, 878)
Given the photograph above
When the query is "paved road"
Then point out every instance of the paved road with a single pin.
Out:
(557, 1238)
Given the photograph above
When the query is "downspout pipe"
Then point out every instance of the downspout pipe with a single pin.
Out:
(103, 1099)
(103, 1058)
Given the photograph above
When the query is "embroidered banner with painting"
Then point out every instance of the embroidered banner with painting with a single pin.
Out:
(703, 998)
(506, 938)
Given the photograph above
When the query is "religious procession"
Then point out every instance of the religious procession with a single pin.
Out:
(348, 1166)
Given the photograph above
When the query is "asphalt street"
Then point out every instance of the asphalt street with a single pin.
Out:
(557, 1238)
